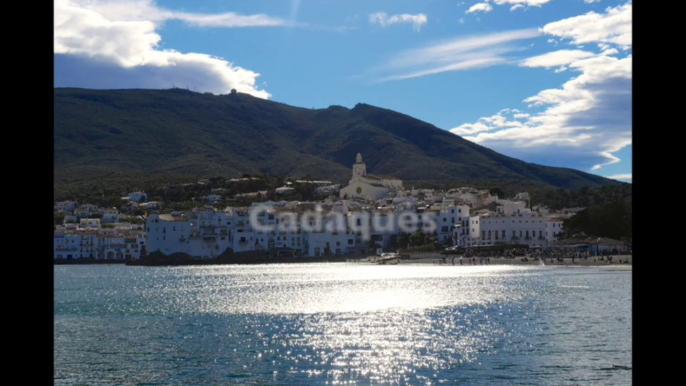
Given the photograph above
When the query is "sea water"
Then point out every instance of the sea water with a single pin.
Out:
(342, 324)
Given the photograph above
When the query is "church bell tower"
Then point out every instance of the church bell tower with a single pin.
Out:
(359, 168)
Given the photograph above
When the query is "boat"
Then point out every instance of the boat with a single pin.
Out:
(387, 257)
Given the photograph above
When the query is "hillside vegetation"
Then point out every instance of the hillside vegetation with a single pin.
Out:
(115, 139)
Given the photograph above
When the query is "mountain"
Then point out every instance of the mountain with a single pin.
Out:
(101, 134)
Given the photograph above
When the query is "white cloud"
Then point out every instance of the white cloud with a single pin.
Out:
(556, 58)
(583, 123)
(147, 10)
(627, 176)
(479, 7)
(520, 3)
(592, 1)
(457, 54)
(119, 45)
(227, 20)
(612, 27)
(471, 63)
(516, 7)
(382, 19)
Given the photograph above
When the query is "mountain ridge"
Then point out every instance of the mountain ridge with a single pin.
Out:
(180, 132)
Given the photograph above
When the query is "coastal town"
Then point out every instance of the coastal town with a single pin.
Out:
(464, 218)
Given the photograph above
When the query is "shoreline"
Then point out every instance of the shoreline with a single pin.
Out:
(422, 259)
(87, 261)
(567, 262)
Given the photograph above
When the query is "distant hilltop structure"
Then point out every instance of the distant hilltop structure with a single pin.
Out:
(367, 186)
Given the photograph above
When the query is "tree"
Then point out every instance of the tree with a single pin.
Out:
(233, 91)
(58, 218)
(497, 192)
(403, 240)
(393, 242)
(418, 239)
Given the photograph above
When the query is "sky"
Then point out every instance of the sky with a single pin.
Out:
(545, 81)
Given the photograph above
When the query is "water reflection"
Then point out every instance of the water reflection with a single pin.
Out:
(341, 324)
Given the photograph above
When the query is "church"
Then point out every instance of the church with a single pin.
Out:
(367, 186)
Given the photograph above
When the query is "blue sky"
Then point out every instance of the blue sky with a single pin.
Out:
(546, 81)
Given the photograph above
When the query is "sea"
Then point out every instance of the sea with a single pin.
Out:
(342, 324)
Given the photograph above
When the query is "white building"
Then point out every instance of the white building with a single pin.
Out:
(138, 196)
(284, 190)
(212, 198)
(109, 215)
(553, 228)
(86, 210)
(205, 234)
(326, 190)
(66, 245)
(496, 229)
(65, 206)
(367, 186)
(89, 223)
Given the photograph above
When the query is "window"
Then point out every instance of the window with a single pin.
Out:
(174, 229)
(350, 241)
(503, 234)
(338, 243)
